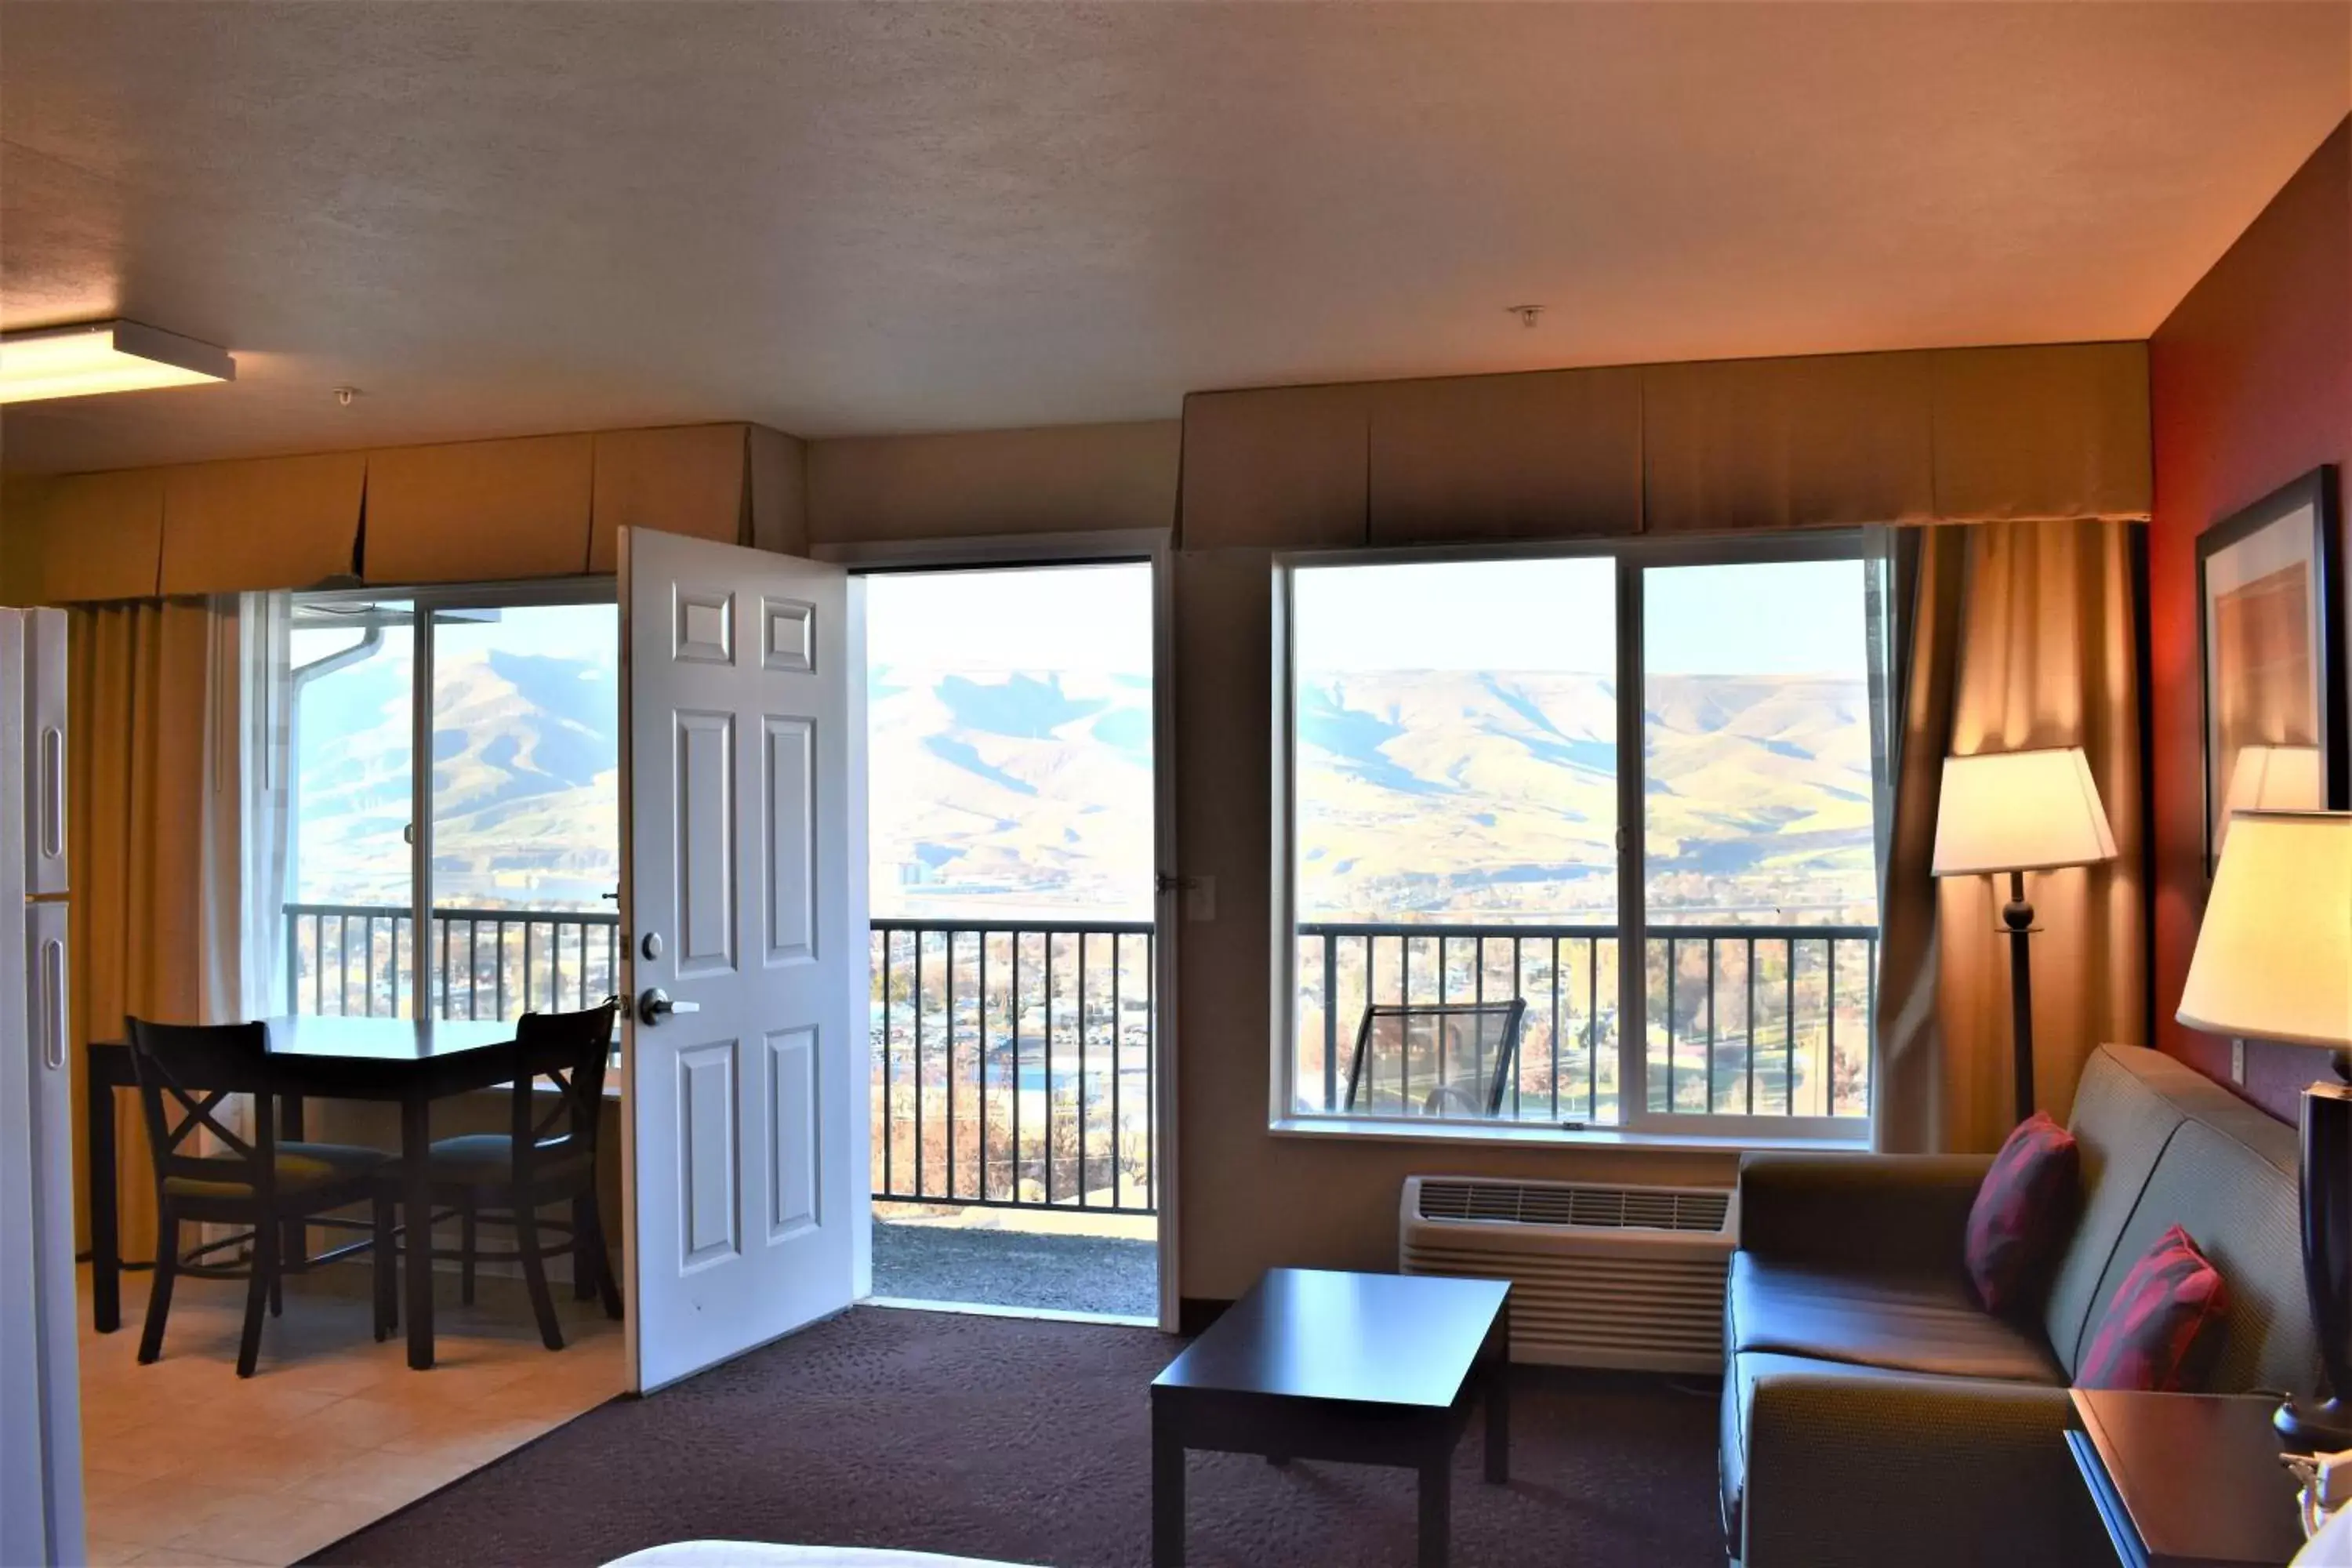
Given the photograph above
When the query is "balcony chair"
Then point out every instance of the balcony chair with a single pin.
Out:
(1463, 1052)
(548, 1157)
(185, 1072)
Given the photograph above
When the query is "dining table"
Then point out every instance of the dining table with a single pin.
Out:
(410, 1062)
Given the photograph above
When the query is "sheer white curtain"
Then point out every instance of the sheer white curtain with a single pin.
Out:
(243, 826)
(241, 822)
(254, 744)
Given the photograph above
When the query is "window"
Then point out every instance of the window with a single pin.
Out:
(1587, 840)
(521, 799)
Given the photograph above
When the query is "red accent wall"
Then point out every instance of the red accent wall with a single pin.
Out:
(2249, 385)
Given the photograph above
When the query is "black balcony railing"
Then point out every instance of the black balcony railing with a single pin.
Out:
(1013, 1062)
(1012, 1065)
(359, 959)
(1767, 1021)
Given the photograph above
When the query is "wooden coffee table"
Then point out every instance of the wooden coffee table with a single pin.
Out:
(1368, 1369)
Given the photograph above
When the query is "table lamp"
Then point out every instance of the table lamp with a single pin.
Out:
(2270, 778)
(2273, 961)
(2276, 778)
(2018, 812)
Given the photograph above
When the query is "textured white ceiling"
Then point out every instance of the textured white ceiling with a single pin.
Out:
(860, 218)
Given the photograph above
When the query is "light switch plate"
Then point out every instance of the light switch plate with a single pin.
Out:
(2237, 1061)
(1201, 898)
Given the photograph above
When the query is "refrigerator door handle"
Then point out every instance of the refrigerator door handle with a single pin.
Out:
(52, 966)
(53, 793)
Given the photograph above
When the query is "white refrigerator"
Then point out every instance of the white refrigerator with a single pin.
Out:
(40, 1395)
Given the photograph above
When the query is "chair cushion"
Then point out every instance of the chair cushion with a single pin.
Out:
(302, 1169)
(2162, 1328)
(1916, 1323)
(2024, 1212)
(486, 1160)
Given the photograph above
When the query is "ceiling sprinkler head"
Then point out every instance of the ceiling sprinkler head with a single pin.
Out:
(1528, 315)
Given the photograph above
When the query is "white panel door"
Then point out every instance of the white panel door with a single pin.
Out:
(743, 905)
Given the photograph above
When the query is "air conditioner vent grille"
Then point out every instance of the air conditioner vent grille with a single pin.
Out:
(1591, 1207)
(1600, 1276)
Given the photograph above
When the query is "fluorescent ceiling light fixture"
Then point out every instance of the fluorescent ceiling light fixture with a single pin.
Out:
(104, 357)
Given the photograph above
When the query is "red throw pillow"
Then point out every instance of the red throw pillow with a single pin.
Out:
(2161, 1329)
(2023, 1212)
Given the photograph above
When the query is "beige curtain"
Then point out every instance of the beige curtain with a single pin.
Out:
(151, 819)
(2022, 635)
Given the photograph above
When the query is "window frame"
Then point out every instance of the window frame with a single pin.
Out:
(1632, 556)
(426, 601)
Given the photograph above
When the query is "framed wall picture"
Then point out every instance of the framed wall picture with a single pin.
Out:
(2271, 642)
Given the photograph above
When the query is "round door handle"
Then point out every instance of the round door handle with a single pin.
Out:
(655, 1005)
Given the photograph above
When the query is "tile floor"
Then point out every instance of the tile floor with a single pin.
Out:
(186, 1464)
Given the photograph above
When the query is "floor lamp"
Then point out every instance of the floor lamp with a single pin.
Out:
(2016, 812)
(2273, 961)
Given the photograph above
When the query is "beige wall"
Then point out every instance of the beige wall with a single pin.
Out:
(1297, 467)
(1249, 1199)
(22, 498)
(1923, 435)
(1075, 480)
(1662, 448)
(1997, 431)
(464, 511)
(1081, 478)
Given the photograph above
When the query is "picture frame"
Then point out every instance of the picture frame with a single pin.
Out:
(2271, 656)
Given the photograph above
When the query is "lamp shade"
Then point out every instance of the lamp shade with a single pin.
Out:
(2273, 956)
(2273, 778)
(2020, 811)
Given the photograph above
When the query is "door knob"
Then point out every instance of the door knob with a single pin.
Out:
(655, 1005)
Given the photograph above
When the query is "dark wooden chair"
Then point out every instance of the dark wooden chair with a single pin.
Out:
(548, 1156)
(251, 1180)
(1453, 1060)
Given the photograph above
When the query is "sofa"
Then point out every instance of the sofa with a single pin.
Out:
(1874, 1413)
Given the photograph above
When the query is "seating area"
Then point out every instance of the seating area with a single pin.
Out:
(1858, 1355)
(1074, 786)
(273, 1190)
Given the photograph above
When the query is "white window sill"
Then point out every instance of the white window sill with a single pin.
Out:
(1544, 1135)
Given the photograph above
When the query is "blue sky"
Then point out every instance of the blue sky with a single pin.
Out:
(1794, 617)
(1094, 619)
(590, 632)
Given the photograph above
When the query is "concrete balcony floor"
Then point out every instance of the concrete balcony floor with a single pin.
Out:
(1039, 1260)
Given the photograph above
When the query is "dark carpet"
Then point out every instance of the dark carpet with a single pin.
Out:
(1017, 1269)
(1030, 1441)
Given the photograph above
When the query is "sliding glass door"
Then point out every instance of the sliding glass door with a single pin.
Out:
(525, 808)
(350, 797)
(503, 846)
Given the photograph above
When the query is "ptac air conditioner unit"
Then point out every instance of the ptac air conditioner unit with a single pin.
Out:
(1600, 1276)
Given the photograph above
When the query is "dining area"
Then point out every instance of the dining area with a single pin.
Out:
(269, 1179)
(336, 1312)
